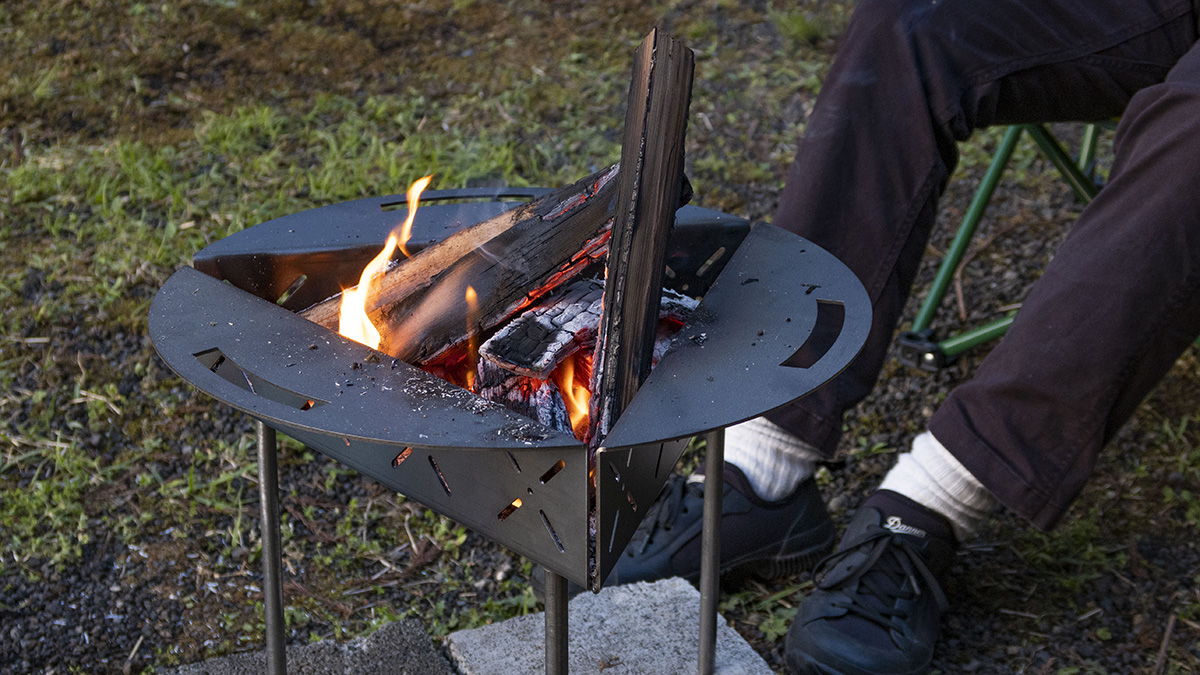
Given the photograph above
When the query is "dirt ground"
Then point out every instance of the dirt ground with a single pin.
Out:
(135, 133)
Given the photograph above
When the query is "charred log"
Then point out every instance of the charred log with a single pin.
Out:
(648, 192)
(510, 260)
(536, 399)
(535, 343)
(522, 357)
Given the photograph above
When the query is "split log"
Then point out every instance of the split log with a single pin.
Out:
(536, 342)
(539, 339)
(648, 194)
(510, 260)
(517, 364)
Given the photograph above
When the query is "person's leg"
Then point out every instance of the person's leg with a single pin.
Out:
(1117, 305)
(864, 186)
(1113, 311)
(912, 79)
(774, 461)
(901, 89)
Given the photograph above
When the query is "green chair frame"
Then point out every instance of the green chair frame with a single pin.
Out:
(919, 346)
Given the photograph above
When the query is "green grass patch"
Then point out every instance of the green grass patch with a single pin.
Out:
(43, 486)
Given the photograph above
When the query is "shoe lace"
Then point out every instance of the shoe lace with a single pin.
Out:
(873, 585)
(665, 510)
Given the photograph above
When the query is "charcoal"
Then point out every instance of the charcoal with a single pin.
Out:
(535, 343)
(537, 399)
(516, 364)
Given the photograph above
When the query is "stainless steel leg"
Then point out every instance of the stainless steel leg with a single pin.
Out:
(272, 555)
(710, 549)
(556, 624)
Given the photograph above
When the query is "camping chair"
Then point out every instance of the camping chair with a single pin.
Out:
(919, 346)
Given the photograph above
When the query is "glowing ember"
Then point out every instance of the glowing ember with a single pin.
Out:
(353, 320)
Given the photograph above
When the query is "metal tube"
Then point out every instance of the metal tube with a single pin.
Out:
(958, 247)
(710, 549)
(1081, 185)
(960, 343)
(272, 560)
(1087, 150)
(556, 624)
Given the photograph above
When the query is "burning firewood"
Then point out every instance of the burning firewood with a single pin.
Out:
(518, 364)
(452, 292)
(510, 260)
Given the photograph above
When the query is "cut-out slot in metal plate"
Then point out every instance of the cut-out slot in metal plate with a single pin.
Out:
(831, 317)
(216, 361)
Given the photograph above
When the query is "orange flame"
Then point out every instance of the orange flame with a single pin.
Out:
(353, 321)
(576, 395)
(472, 341)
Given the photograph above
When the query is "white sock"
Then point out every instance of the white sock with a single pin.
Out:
(933, 478)
(774, 461)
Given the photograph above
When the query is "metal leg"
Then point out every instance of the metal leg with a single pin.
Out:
(710, 549)
(272, 555)
(556, 623)
(1087, 150)
(1082, 185)
(962, 239)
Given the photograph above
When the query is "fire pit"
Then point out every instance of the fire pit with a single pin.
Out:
(230, 327)
(222, 327)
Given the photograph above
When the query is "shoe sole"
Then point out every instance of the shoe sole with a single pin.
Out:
(807, 667)
(779, 567)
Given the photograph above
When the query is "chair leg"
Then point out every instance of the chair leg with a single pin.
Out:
(1087, 151)
(917, 347)
(962, 239)
(1083, 186)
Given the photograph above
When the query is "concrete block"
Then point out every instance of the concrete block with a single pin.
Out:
(402, 648)
(637, 628)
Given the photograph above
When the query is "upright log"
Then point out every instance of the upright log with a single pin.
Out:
(510, 260)
(648, 194)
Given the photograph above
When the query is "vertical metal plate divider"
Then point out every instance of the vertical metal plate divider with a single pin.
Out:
(710, 549)
(272, 553)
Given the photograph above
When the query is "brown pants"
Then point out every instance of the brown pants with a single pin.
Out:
(1121, 299)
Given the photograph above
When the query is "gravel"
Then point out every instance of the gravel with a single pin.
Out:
(1113, 589)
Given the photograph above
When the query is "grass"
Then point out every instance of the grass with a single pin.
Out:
(804, 26)
(45, 516)
(134, 134)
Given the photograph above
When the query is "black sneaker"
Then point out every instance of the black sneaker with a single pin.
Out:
(762, 539)
(877, 603)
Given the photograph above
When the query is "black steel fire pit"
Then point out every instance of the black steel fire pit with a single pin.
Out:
(229, 327)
